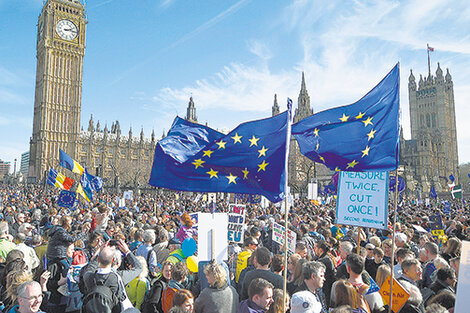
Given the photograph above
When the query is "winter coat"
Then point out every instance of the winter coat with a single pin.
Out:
(59, 240)
(213, 300)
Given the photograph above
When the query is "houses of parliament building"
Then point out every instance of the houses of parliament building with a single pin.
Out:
(123, 158)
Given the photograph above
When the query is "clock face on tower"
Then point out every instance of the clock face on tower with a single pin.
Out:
(66, 29)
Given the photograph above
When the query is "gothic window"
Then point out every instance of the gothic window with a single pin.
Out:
(434, 120)
(421, 119)
(428, 120)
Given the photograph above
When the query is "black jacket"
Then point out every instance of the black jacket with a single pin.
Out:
(59, 240)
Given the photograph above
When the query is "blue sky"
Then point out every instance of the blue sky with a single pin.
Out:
(145, 58)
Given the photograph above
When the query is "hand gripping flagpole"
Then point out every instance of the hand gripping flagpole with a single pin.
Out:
(286, 208)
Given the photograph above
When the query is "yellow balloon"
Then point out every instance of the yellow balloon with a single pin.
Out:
(192, 263)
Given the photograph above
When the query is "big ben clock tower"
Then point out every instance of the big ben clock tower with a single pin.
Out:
(57, 104)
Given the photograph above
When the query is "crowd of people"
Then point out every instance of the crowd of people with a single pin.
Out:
(99, 257)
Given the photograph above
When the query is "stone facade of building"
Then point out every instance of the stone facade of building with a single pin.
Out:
(431, 155)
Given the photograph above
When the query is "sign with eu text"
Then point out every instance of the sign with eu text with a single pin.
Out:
(236, 223)
(362, 199)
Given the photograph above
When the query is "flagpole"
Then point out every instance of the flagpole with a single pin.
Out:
(393, 240)
(286, 207)
(429, 61)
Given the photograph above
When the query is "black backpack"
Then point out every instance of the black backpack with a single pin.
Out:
(100, 298)
(152, 300)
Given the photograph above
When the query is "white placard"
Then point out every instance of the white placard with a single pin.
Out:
(362, 199)
(463, 300)
(236, 223)
(312, 192)
(279, 232)
(206, 223)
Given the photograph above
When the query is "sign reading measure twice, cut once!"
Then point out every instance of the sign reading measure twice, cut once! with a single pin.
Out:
(362, 199)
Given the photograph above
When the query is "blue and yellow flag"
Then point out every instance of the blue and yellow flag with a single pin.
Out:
(67, 199)
(363, 136)
(85, 188)
(67, 162)
(250, 159)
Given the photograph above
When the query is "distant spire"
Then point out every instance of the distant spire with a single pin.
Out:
(191, 111)
(303, 86)
(275, 108)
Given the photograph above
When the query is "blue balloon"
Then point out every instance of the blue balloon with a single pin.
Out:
(189, 247)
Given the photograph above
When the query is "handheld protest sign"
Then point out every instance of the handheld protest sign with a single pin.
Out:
(362, 199)
(399, 294)
(236, 223)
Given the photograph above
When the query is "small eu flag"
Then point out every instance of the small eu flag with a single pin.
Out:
(250, 159)
(363, 136)
(66, 199)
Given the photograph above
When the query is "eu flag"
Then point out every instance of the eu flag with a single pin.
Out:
(250, 159)
(66, 199)
(363, 136)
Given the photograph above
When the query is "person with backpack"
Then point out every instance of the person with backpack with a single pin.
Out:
(178, 278)
(139, 286)
(153, 299)
(146, 251)
(104, 284)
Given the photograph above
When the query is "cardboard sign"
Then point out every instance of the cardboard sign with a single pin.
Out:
(362, 199)
(279, 235)
(399, 294)
(236, 223)
(312, 191)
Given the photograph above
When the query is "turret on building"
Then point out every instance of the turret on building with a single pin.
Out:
(432, 154)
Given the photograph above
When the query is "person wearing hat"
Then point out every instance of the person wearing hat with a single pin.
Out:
(305, 302)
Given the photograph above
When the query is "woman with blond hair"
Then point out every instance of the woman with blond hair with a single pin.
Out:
(219, 296)
(344, 293)
(382, 274)
(137, 288)
(277, 305)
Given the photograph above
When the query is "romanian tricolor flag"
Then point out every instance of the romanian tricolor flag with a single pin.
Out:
(59, 180)
(69, 163)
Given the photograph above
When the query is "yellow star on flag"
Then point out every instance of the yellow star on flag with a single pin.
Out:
(368, 121)
(365, 151)
(318, 146)
(359, 116)
(245, 173)
(371, 134)
(221, 144)
(352, 164)
(208, 153)
(231, 179)
(198, 163)
(344, 118)
(262, 166)
(253, 141)
(337, 169)
(315, 131)
(322, 159)
(213, 173)
(262, 152)
(237, 138)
